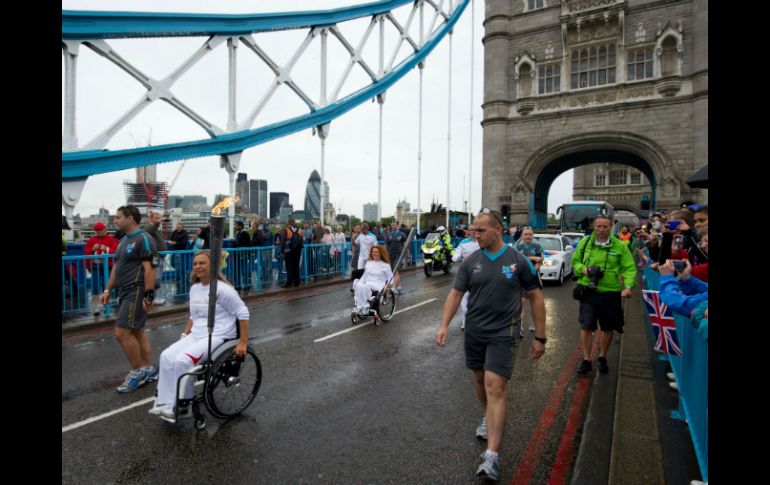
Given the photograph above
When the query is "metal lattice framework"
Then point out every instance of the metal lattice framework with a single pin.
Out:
(94, 30)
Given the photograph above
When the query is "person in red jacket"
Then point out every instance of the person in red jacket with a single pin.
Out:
(100, 244)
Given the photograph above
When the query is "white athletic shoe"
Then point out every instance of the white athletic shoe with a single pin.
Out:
(158, 410)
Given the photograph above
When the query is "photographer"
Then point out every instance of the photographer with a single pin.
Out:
(679, 239)
(681, 291)
(602, 260)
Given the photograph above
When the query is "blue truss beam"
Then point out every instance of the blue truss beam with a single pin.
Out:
(83, 25)
(85, 163)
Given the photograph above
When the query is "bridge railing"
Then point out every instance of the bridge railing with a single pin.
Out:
(248, 269)
(691, 372)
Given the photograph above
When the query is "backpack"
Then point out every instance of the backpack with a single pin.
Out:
(294, 241)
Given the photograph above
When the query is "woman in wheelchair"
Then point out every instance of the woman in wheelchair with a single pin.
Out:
(377, 273)
(192, 348)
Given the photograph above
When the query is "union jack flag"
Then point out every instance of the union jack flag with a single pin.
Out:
(663, 324)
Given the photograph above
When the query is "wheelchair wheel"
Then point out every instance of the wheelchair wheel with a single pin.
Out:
(200, 423)
(387, 305)
(232, 384)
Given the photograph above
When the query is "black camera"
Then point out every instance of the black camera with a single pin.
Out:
(595, 273)
(678, 265)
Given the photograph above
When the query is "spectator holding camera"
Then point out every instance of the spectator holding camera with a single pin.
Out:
(681, 291)
(653, 246)
(602, 260)
(679, 241)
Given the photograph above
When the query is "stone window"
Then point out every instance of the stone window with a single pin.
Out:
(593, 66)
(668, 57)
(618, 177)
(549, 78)
(640, 64)
(525, 81)
(636, 178)
(601, 180)
(533, 4)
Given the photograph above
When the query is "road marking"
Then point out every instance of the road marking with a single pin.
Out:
(565, 457)
(525, 469)
(370, 322)
(112, 413)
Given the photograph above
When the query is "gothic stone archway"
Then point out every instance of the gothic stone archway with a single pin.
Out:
(529, 194)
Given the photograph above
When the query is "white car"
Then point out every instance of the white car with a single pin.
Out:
(574, 237)
(557, 253)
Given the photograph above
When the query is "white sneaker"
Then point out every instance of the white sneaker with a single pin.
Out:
(481, 431)
(168, 413)
(158, 410)
(671, 376)
(674, 386)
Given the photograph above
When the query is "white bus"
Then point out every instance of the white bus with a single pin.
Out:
(579, 215)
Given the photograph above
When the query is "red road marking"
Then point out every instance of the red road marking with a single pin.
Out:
(526, 467)
(566, 453)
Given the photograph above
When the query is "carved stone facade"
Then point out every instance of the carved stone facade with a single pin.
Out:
(581, 81)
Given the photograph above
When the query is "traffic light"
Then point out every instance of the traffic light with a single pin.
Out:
(505, 210)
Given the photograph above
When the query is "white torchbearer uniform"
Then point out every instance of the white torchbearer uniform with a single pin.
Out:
(466, 247)
(192, 350)
(376, 275)
(365, 244)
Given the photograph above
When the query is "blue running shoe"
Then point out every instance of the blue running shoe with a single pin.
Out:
(151, 373)
(488, 470)
(134, 380)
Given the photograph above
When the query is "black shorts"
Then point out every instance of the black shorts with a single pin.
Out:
(131, 314)
(393, 260)
(606, 308)
(494, 354)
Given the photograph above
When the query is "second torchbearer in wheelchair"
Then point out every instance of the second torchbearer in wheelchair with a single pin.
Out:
(374, 295)
(188, 358)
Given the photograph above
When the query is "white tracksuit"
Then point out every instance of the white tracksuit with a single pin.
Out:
(465, 248)
(376, 275)
(192, 350)
(365, 244)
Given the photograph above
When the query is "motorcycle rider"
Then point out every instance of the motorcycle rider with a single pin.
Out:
(446, 242)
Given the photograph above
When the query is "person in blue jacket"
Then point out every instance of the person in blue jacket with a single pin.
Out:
(682, 294)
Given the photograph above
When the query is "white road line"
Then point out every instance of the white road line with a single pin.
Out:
(151, 399)
(370, 322)
(112, 413)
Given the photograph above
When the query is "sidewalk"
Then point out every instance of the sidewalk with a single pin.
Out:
(627, 435)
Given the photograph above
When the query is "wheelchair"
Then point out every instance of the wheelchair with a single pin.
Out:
(230, 384)
(382, 305)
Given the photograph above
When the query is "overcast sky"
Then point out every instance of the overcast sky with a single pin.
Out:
(104, 93)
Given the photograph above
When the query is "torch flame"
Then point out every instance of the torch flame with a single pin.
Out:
(224, 204)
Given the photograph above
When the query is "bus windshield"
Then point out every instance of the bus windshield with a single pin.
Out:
(580, 217)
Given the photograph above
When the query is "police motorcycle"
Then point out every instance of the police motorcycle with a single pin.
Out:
(435, 256)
